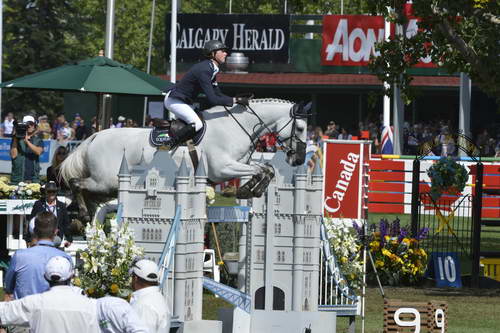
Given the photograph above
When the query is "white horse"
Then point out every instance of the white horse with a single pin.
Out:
(227, 147)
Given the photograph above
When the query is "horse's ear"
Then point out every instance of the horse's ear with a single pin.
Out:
(299, 110)
(307, 109)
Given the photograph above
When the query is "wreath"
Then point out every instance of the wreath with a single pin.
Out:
(447, 176)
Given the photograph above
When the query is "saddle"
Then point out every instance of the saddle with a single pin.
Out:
(165, 129)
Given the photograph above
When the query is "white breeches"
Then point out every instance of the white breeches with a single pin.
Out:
(183, 111)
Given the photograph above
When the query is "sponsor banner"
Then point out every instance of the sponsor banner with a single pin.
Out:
(343, 170)
(5, 151)
(349, 40)
(16, 207)
(262, 38)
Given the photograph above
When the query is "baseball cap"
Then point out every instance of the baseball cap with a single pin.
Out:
(58, 269)
(28, 119)
(121, 118)
(146, 270)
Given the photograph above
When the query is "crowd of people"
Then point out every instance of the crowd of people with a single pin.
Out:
(414, 136)
(40, 297)
(62, 129)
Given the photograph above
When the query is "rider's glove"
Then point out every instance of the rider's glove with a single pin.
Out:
(241, 100)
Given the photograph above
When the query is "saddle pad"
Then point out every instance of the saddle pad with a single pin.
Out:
(157, 137)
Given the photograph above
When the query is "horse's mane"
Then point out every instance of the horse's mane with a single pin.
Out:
(270, 100)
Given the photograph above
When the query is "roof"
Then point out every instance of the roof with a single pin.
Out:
(317, 79)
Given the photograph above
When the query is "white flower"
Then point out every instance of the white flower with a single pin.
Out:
(29, 192)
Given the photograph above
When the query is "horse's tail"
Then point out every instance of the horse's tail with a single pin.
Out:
(75, 166)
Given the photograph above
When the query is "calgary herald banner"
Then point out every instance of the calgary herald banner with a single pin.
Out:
(343, 177)
(349, 40)
(262, 38)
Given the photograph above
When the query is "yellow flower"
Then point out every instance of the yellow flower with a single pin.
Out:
(90, 291)
(343, 260)
(374, 245)
(114, 288)
(386, 252)
(379, 263)
(77, 282)
(115, 271)
(387, 238)
(406, 241)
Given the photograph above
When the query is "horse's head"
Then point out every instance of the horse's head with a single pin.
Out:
(293, 134)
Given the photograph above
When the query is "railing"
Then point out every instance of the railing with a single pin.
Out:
(334, 294)
(449, 220)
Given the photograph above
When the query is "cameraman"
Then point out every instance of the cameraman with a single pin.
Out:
(25, 150)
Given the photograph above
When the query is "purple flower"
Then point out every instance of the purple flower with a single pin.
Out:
(358, 229)
(402, 234)
(423, 233)
(383, 226)
(395, 227)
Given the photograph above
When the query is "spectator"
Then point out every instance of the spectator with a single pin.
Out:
(65, 133)
(129, 123)
(44, 127)
(25, 150)
(344, 135)
(81, 131)
(8, 125)
(317, 136)
(121, 122)
(57, 125)
(58, 310)
(25, 274)
(146, 299)
(50, 204)
(116, 316)
(53, 170)
(331, 130)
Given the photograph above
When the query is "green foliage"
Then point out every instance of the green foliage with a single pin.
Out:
(447, 176)
(460, 36)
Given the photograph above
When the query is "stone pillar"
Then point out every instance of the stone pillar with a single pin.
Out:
(180, 276)
(298, 237)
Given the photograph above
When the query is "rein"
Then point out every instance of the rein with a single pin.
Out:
(253, 137)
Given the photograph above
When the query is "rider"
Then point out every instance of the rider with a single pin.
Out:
(200, 78)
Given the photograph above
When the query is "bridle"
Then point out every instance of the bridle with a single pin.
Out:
(295, 114)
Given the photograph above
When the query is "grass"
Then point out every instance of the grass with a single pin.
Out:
(469, 310)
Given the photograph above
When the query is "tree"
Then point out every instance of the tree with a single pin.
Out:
(35, 38)
(459, 35)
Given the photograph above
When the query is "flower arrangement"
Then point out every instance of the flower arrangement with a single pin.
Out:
(106, 261)
(346, 248)
(210, 195)
(398, 257)
(447, 176)
(19, 191)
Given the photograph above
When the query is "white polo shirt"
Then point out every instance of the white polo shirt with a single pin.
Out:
(58, 310)
(117, 316)
(152, 308)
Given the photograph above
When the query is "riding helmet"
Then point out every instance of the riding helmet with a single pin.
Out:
(212, 46)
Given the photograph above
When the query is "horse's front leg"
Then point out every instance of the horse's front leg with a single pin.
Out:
(261, 176)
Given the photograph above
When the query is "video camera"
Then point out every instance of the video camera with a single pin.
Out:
(21, 129)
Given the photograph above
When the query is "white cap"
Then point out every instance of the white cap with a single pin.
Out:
(58, 269)
(28, 118)
(146, 270)
(121, 118)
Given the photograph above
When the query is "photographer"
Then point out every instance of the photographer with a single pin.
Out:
(25, 150)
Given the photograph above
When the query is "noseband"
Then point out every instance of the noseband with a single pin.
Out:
(297, 111)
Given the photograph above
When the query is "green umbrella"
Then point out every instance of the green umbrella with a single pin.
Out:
(97, 75)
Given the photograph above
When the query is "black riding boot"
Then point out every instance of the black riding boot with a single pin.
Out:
(184, 134)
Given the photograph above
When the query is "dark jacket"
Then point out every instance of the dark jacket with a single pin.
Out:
(26, 166)
(199, 79)
(63, 221)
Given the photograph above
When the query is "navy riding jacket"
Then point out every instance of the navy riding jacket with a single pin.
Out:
(200, 78)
